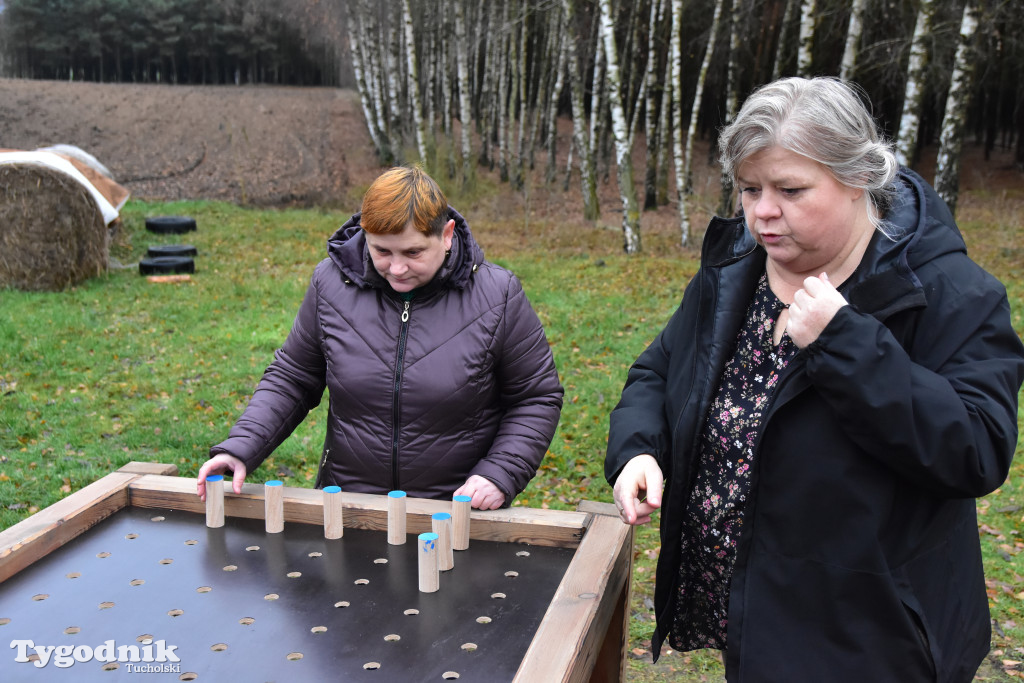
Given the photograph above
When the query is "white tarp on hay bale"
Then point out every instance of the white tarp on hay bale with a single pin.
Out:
(62, 165)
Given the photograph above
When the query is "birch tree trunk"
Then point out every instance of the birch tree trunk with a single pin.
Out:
(853, 31)
(652, 132)
(416, 101)
(556, 91)
(582, 141)
(675, 57)
(624, 161)
(732, 99)
(365, 94)
(698, 97)
(393, 70)
(947, 171)
(804, 59)
(913, 94)
(518, 170)
(465, 94)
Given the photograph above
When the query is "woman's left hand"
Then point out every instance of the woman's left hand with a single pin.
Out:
(812, 309)
(485, 495)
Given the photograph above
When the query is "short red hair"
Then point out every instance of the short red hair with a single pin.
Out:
(403, 196)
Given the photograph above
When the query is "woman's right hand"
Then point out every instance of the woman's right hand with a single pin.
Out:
(217, 464)
(638, 489)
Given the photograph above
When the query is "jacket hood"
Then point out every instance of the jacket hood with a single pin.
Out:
(347, 249)
(920, 229)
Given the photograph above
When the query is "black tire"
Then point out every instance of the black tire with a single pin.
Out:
(172, 250)
(166, 264)
(170, 225)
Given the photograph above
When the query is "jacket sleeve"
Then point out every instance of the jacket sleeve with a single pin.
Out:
(530, 393)
(291, 386)
(939, 409)
(639, 422)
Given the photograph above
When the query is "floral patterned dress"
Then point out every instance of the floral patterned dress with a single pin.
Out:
(714, 516)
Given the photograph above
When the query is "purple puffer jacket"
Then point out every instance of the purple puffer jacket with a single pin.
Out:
(466, 385)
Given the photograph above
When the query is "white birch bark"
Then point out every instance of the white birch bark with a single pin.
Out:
(913, 94)
(732, 100)
(947, 171)
(365, 96)
(698, 98)
(675, 57)
(655, 82)
(465, 115)
(806, 36)
(393, 69)
(416, 100)
(620, 133)
(784, 33)
(853, 31)
(556, 92)
(581, 138)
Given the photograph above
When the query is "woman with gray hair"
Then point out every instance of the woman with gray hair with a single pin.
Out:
(815, 421)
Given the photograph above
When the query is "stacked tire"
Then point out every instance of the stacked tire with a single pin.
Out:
(169, 258)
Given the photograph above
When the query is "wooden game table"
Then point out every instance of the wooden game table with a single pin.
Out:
(539, 596)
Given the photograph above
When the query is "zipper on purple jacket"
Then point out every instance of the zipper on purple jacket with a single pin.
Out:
(396, 396)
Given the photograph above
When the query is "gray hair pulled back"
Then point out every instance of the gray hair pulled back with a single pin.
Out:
(822, 119)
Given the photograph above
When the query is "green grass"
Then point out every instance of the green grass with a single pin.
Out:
(120, 369)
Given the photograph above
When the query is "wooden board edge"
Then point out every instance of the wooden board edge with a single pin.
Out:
(137, 467)
(600, 570)
(35, 537)
(558, 528)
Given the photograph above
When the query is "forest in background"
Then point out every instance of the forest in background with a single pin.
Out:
(455, 84)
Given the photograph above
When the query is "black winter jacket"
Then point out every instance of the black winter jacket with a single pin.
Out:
(860, 559)
(423, 394)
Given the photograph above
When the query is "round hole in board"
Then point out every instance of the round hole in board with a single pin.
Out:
(246, 621)
(294, 575)
(469, 647)
(498, 596)
(318, 629)
(315, 554)
(341, 603)
(362, 582)
(106, 605)
(294, 656)
(131, 537)
(103, 555)
(74, 575)
(450, 675)
(145, 638)
(271, 596)
(136, 582)
(188, 676)
(72, 630)
(483, 620)
(219, 647)
(231, 568)
(167, 560)
(511, 574)
(109, 666)
(252, 548)
(371, 665)
(191, 541)
(381, 560)
(38, 597)
(175, 612)
(523, 553)
(204, 589)
(411, 612)
(158, 518)
(392, 637)
(4, 621)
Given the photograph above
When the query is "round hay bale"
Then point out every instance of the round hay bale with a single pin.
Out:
(52, 235)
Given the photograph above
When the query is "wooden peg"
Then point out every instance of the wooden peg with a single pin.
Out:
(333, 525)
(441, 524)
(429, 582)
(460, 522)
(273, 506)
(396, 517)
(215, 501)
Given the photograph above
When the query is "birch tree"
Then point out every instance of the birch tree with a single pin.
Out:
(913, 93)
(652, 132)
(582, 140)
(465, 94)
(947, 172)
(620, 133)
(416, 100)
(853, 31)
(804, 56)
(675, 59)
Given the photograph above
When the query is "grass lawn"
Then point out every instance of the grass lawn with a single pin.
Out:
(121, 369)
